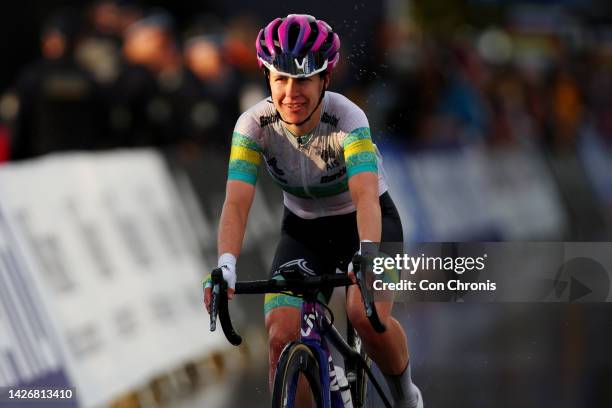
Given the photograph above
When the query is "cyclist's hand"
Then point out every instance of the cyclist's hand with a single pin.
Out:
(367, 253)
(229, 275)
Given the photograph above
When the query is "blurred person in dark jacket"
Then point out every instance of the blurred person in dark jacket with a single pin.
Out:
(237, 52)
(146, 96)
(60, 107)
(212, 100)
(99, 51)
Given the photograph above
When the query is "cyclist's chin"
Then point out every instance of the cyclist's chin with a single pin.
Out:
(295, 115)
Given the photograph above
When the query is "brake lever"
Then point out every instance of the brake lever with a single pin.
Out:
(217, 280)
(368, 301)
(219, 307)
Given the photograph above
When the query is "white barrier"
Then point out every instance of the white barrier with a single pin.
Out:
(27, 347)
(523, 197)
(472, 193)
(111, 258)
(451, 185)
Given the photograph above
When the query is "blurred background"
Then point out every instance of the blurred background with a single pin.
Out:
(495, 122)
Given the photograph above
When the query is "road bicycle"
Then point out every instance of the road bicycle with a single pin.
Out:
(309, 356)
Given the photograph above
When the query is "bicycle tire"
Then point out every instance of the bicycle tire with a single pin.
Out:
(296, 358)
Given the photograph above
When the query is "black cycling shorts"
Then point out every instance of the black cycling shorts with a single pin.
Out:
(319, 246)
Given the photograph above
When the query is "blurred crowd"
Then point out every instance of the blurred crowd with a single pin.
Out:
(511, 85)
(117, 75)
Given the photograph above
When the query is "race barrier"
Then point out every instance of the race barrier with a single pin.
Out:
(100, 274)
(471, 193)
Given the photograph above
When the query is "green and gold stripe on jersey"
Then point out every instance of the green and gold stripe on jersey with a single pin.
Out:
(245, 159)
(359, 152)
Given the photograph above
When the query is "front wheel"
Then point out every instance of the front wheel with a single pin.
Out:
(296, 361)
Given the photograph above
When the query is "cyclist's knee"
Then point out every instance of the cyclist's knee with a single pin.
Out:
(356, 315)
(283, 327)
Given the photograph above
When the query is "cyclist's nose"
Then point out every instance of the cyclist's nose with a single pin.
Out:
(292, 88)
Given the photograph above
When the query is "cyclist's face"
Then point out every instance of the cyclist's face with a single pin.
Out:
(296, 98)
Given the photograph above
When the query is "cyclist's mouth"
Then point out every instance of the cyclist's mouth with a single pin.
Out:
(295, 107)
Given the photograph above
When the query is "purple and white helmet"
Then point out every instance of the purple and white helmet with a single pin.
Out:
(298, 46)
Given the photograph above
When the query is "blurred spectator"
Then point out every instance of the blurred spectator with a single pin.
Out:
(146, 94)
(212, 102)
(461, 103)
(512, 122)
(99, 49)
(60, 106)
(238, 52)
(537, 101)
(566, 109)
(105, 18)
(238, 46)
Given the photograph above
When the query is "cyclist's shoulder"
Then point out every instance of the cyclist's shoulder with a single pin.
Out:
(252, 120)
(338, 101)
(346, 113)
(263, 107)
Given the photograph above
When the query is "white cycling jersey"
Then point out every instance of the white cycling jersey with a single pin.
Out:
(313, 170)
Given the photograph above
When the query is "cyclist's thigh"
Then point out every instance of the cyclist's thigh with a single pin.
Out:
(391, 221)
(293, 252)
(355, 309)
(354, 304)
(346, 238)
(283, 323)
(392, 237)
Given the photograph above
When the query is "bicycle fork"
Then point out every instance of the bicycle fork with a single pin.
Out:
(336, 392)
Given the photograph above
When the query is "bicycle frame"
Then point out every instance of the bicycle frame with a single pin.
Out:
(315, 331)
(312, 316)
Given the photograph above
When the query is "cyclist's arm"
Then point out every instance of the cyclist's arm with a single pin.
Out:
(364, 192)
(232, 226)
(362, 169)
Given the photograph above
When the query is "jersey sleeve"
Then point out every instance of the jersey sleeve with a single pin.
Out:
(245, 156)
(359, 151)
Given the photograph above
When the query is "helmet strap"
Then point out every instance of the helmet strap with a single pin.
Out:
(267, 74)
